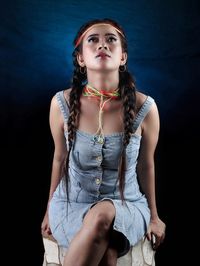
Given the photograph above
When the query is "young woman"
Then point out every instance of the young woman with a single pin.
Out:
(102, 193)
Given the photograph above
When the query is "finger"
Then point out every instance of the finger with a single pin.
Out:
(45, 234)
(156, 245)
(148, 235)
(45, 231)
(157, 242)
(43, 227)
(49, 230)
(153, 241)
(162, 238)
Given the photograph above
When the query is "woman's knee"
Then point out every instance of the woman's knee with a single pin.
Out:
(99, 219)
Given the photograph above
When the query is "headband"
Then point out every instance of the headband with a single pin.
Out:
(83, 34)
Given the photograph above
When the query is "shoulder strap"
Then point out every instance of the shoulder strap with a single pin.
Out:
(142, 112)
(63, 105)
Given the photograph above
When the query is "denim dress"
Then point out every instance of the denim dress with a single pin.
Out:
(93, 177)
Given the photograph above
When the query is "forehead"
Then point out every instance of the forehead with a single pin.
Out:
(101, 29)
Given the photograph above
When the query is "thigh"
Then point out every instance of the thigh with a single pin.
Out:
(104, 209)
(109, 258)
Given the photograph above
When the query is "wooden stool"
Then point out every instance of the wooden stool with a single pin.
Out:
(141, 254)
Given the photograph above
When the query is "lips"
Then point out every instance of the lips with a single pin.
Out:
(101, 54)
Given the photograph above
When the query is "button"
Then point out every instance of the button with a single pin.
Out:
(99, 158)
(100, 139)
(94, 138)
(98, 181)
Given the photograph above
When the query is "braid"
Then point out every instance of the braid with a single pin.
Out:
(129, 99)
(74, 110)
(128, 95)
(74, 99)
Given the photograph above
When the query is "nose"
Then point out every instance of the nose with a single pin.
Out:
(102, 45)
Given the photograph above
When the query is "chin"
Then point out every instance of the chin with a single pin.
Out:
(104, 68)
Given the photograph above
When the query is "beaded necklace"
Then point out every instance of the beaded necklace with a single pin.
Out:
(104, 96)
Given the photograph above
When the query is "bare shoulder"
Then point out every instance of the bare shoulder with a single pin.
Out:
(140, 99)
(55, 114)
(67, 94)
(54, 103)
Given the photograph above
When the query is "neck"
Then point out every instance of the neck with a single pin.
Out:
(92, 92)
(103, 81)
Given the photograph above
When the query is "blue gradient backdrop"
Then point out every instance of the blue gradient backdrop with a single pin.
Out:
(35, 62)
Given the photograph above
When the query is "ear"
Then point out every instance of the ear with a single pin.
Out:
(123, 59)
(80, 60)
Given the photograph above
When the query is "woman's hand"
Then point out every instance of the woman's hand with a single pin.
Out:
(45, 228)
(156, 232)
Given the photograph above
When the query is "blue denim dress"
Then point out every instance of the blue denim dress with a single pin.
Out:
(93, 172)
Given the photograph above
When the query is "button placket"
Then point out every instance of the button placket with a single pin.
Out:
(100, 139)
(98, 180)
(99, 158)
(99, 168)
(98, 193)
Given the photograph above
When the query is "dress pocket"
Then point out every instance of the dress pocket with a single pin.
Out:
(83, 154)
(84, 161)
(75, 189)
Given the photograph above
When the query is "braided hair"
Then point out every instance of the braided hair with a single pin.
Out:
(127, 93)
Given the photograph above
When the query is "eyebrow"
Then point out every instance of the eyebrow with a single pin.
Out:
(107, 34)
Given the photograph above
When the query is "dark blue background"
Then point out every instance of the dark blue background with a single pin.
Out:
(35, 62)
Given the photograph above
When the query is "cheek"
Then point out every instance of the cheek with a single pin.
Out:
(87, 52)
(118, 51)
(118, 57)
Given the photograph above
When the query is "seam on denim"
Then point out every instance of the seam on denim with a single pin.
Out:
(142, 112)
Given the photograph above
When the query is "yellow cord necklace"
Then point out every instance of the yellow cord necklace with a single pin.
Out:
(105, 96)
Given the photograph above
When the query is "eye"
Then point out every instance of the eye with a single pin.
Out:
(93, 39)
(112, 39)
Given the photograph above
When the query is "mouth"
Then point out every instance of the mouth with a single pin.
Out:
(102, 55)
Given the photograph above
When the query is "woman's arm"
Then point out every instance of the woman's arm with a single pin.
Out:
(60, 153)
(60, 148)
(146, 171)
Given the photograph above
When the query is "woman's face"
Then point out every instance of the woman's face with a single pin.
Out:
(102, 49)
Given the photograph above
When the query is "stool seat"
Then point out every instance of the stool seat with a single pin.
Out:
(141, 254)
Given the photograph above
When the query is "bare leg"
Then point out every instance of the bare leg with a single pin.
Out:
(109, 258)
(90, 243)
